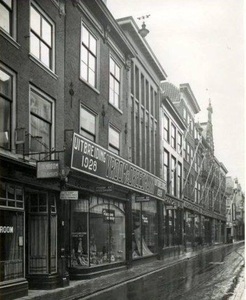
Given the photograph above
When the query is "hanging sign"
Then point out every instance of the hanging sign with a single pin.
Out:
(92, 159)
(48, 169)
(108, 215)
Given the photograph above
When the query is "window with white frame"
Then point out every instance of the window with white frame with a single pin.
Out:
(87, 124)
(6, 107)
(179, 184)
(166, 168)
(179, 142)
(166, 128)
(41, 37)
(114, 140)
(185, 113)
(173, 182)
(7, 13)
(88, 64)
(41, 121)
(114, 83)
(173, 136)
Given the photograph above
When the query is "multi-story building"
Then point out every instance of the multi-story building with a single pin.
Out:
(235, 225)
(203, 189)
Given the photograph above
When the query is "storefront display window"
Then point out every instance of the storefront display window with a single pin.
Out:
(98, 232)
(42, 224)
(144, 234)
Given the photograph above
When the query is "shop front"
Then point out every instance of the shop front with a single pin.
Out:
(114, 220)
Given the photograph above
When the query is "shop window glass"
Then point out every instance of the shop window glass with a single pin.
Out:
(39, 243)
(41, 37)
(104, 241)
(144, 233)
(11, 245)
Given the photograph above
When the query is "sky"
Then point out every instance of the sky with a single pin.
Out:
(201, 42)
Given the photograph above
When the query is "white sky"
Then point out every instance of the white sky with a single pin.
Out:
(201, 42)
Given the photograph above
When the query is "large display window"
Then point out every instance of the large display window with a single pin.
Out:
(11, 232)
(98, 232)
(144, 233)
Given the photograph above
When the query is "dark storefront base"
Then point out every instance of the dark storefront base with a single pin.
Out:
(44, 282)
(93, 272)
(16, 289)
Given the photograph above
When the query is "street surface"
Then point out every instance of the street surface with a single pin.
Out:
(209, 276)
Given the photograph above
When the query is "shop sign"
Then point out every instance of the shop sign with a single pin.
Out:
(69, 195)
(191, 216)
(104, 189)
(171, 207)
(6, 229)
(108, 215)
(48, 169)
(142, 199)
(90, 158)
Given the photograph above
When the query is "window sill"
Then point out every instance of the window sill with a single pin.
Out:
(42, 66)
(9, 38)
(90, 86)
(119, 110)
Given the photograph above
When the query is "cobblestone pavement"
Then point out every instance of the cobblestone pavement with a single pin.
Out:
(82, 288)
(240, 291)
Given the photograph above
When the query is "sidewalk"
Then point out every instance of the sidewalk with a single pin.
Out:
(240, 291)
(78, 289)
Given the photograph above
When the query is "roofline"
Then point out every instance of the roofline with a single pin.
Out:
(187, 88)
(130, 21)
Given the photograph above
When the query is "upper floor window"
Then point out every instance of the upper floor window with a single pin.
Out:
(166, 128)
(88, 63)
(87, 124)
(114, 140)
(7, 13)
(185, 113)
(179, 184)
(173, 136)
(114, 83)
(166, 168)
(179, 143)
(41, 39)
(173, 186)
(41, 122)
(6, 108)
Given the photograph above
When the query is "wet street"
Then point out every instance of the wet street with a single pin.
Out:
(208, 276)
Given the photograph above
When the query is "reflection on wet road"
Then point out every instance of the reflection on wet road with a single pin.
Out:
(207, 276)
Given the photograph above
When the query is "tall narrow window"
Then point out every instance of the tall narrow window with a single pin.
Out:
(41, 122)
(179, 143)
(114, 140)
(88, 57)
(114, 84)
(6, 101)
(166, 128)
(173, 136)
(7, 15)
(166, 168)
(179, 185)
(87, 124)
(174, 181)
(41, 39)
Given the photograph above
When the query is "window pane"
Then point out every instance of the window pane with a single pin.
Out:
(45, 54)
(92, 62)
(5, 116)
(46, 31)
(5, 84)
(116, 100)
(40, 128)
(93, 45)
(91, 77)
(112, 66)
(83, 71)
(11, 192)
(40, 106)
(84, 55)
(111, 96)
(35, 21)
(114, 138)
(88, 121)
(85, 37)
(35, 45)
(117, 72)
(5, 18)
